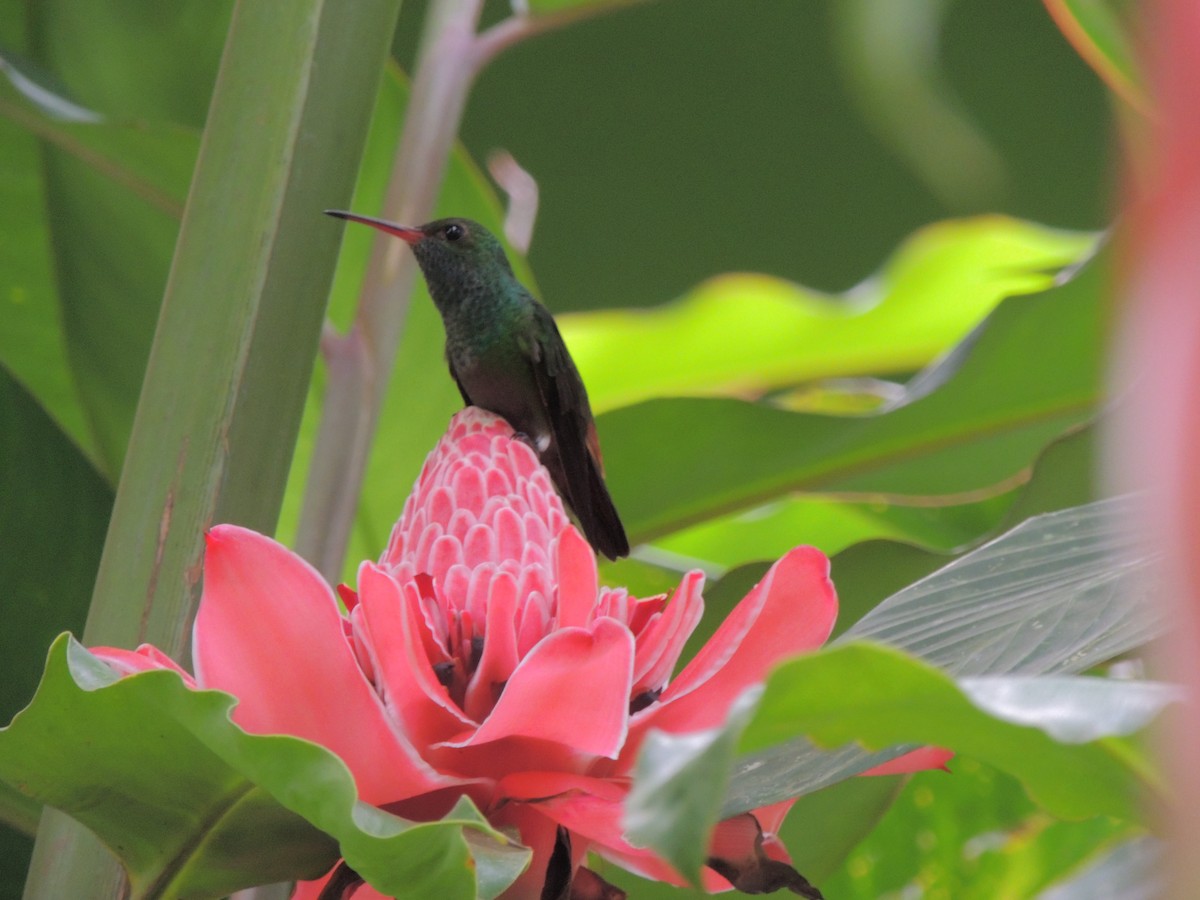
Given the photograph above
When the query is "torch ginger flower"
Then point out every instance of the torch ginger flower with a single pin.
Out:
(480, 657)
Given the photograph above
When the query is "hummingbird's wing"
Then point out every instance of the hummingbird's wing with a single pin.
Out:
(580, 470)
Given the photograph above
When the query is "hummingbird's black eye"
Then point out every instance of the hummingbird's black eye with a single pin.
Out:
(454, 232)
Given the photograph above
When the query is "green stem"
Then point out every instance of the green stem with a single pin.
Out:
(233, 353)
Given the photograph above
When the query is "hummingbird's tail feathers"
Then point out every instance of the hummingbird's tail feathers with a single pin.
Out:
(603, 527)
(577, 475)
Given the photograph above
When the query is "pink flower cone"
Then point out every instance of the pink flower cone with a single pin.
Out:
(480, 657)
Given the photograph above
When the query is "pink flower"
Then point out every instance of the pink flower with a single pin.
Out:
(480, 657)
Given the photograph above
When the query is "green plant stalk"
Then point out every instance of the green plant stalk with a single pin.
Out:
(233, 354)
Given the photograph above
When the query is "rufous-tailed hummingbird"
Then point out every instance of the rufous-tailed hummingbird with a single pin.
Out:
(507, 356)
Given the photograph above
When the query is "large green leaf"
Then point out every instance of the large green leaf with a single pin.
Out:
(112, 190)
(52, 519)
(196, 807)
(831, 524)
(1060, 740)
(970, 422)
(740, 333)
(81, 319)
(1063, 475)
(1058, 594)
(972, 834)
(1050, 733)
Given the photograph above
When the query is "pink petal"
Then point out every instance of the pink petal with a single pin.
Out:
(146, 658)
(914, 761)
(577, 580)
(659, 647)
(395, 627)
(499, 648)
(510, 534)
(531, 787)
(535, 622)
(467, 486)
(311, 890)
(269, 632)
(791, 610)
(572, 689)
(770, 818)
(479, 546)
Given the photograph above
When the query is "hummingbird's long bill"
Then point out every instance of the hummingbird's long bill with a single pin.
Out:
(404, 232)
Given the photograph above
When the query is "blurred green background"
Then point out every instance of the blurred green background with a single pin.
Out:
(677, 139)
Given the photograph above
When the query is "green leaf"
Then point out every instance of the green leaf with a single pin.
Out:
(972, 835)
(832, 525)
(81, 320)
(904, 528)
(105, 61)
(105, 205)
(1100, 32)
(1058, 594)
(880, 697)
(970, 422)
(194, 806)
(52, 522)
(1050, 733)
(109, 300)
(690, 784)
(738, 334)
(111, 753)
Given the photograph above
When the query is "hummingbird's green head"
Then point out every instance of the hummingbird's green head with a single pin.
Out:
(457, 256)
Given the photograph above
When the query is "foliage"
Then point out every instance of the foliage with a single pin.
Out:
(939, 402)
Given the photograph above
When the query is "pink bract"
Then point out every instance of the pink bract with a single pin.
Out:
(480, 656)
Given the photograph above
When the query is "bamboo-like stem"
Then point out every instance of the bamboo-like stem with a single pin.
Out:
(229, 368)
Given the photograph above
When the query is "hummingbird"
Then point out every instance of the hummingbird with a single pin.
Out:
(506, 355)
